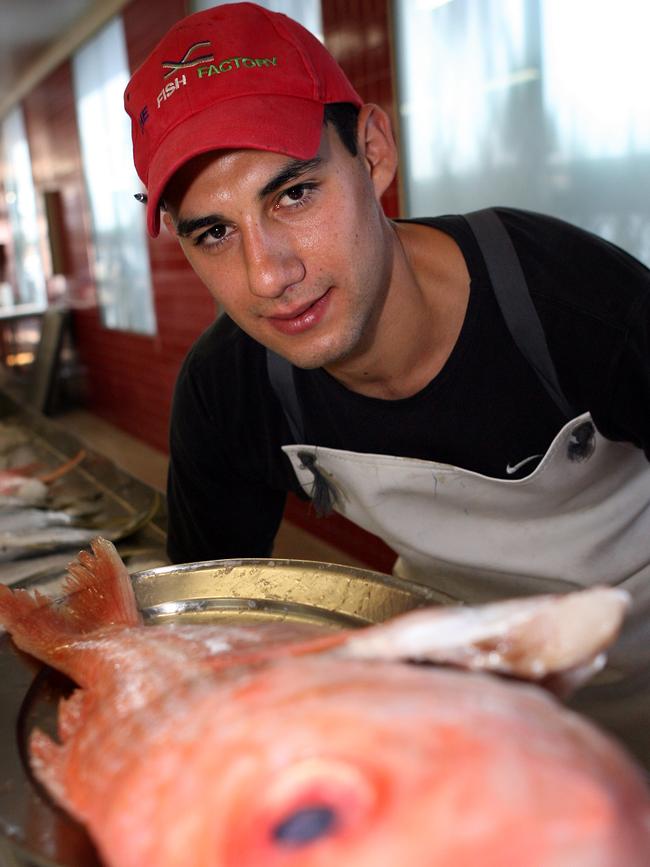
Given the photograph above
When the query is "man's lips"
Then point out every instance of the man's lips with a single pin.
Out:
(294, 313)
(301, 318)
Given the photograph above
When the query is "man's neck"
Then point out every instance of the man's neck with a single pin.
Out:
(420, 321)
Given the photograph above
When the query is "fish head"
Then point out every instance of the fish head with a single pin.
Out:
(317, 762)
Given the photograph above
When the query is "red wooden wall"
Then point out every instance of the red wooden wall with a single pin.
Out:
(130, 377)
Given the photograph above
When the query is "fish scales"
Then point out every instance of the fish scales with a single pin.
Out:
(284, 745)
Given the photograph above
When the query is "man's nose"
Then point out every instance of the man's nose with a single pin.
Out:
(272, 262)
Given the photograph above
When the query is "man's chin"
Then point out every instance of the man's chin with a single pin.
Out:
(310, 357)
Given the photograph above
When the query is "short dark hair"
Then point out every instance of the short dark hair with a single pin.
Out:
(344, 116)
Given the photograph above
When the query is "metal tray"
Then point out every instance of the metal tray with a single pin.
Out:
(118, 499)
(34, 832)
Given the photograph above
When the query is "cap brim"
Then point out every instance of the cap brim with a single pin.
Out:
(280, 124)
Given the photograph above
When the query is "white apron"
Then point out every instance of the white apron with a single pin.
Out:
(582, 517)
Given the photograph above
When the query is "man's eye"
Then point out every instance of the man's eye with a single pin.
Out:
(295, 193)
(214, 233)
(299, 194)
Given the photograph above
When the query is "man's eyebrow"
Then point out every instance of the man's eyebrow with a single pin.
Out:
(291, 171)
(294, 169)
(185, 228)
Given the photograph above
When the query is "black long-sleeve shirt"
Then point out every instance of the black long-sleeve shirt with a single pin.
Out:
(485, 410)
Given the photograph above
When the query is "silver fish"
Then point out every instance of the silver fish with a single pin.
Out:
(14, 545)
(35, 568)
(22, 520)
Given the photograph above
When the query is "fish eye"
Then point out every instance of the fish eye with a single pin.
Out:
(305, 825)
(309, 805)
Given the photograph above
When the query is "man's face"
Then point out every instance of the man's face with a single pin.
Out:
(296, 252)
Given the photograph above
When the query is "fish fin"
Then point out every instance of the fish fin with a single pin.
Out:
(534, 638)
(98, 592)
(47, 760)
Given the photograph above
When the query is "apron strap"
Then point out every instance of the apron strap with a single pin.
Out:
(281, 375)
(513, 298)
(324, 494)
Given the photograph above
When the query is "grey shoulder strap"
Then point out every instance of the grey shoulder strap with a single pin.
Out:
(513, 298)
(281, 375)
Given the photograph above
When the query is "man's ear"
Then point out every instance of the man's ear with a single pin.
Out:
(377, 146)
(169, 224)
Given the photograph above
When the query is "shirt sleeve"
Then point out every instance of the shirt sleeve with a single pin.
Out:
(628, 415)
(216, 508)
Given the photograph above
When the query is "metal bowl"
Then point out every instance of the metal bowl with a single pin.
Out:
(35, 832)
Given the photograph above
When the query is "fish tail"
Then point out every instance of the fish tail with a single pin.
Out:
(98, 594)
(25, 616)
(64, 468)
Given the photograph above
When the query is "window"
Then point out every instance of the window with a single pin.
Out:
(306, 12)
(21, 208)
(121, 259)
(538, 104)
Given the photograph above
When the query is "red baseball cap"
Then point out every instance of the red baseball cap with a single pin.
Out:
(234, 76)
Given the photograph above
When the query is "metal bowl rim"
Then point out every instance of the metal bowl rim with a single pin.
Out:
(421, 591)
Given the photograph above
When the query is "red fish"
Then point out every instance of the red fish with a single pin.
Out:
(233, 746)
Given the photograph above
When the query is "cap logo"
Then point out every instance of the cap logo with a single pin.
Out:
(188, 60)
(170, 89)
(232, 63)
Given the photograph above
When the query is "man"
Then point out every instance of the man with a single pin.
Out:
(474, 392)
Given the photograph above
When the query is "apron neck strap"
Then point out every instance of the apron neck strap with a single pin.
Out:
(516, 305)
(282, 380)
